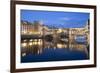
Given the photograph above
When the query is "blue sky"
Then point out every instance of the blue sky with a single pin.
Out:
(56, 18)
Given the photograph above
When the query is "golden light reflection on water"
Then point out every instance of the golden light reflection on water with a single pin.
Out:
(62, 46)
(35, 46)
(31, 43)
(24, 44)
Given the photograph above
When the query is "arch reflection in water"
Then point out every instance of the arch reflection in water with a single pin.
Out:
(39, 50)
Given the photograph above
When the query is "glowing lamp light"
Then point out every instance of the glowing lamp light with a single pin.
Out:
(25, 40)
(24, 44)
(39, 43)
(59, 45)
(35, 43)
(31, 39)
(24, 32)
(59, 30)
(30, 43)
(24, 54)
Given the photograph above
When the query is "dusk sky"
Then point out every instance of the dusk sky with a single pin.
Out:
(57, 19)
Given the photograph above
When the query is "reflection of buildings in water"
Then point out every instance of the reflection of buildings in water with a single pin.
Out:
(35, 47)
(62, 38)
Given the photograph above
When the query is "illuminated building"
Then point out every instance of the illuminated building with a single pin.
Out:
(38, 33)
(31, 28)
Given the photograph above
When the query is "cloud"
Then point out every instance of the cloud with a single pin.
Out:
(65, 18)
